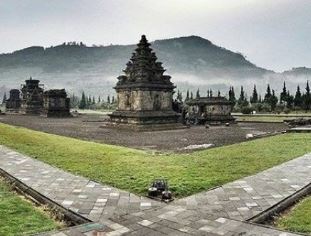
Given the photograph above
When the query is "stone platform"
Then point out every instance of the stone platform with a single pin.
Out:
(226, 210)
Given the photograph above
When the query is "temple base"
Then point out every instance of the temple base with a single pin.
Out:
(144, 120)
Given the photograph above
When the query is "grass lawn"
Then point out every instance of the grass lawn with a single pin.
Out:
(269, 117)
(298, 219)
(133, 170)
(20, 217)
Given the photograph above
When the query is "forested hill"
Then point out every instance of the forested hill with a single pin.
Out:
(191, 61)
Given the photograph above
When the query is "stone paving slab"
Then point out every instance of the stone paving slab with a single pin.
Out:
(221, 211)
(85, 197)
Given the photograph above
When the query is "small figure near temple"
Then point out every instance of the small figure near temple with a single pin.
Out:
(13, 104)
(144, 93)
(56, 103)
(209, 110)
(32, 97)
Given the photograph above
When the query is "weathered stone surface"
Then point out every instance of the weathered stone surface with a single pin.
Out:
(210, 109)
(13, 104)
(32, 97)
(56, 103)
(144, 93)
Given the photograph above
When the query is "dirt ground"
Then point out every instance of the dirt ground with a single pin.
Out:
(87, 127)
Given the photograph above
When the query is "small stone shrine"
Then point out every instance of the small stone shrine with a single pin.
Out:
(144, 93)
(13, 104)
(56, 103)
(32, 97)
(209, 110)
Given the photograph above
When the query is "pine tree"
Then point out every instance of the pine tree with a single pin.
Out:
(307, 98)
(254, 98)
(108, 99)
(273, 101)
(198, 94)
(187, 96)
(268, 95)
(179, 96)
(112, 100)
(4, 98)
(99, 99)
(93, 101)
(242, 101)
(298, 101)
(283, 95)
(289, 100)
(82, 104)
(232, 98)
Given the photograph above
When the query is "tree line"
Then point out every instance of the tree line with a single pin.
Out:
(90, 102)
(270, 102)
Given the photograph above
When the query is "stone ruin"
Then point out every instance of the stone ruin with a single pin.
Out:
(209, 110)
(56, 103)
(13, 104)
(32, 97)
(144, 93)
(34, 101)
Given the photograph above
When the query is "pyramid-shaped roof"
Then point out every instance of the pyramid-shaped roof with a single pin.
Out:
(144, 70)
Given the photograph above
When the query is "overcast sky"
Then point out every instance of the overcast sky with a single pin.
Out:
(275, 34)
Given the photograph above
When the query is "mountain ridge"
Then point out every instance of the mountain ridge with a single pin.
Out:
(192, 61)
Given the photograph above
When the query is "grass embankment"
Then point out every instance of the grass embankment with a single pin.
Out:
(133, 170)
(20, 217)
(298, 219)
(278, 118)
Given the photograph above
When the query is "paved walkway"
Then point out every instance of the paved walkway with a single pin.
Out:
(222, 211)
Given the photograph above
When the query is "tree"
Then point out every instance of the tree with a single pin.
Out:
(4, 98)
(254, 97)
(289, 100)
(198, 94)
(99, 99)
(74, 101)
(112, 100)
(93, 101)
(179, 96)
(268, 94)
(187, 96)
(298, 101)
(82, 104)
(232, 98)
(191, 95)
(273, 100)
(108, 99)
(242, 101)
(283, 95)
(307, 98)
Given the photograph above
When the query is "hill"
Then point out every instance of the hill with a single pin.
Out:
(191, 61)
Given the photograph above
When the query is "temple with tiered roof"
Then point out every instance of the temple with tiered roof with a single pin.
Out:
(144, 93)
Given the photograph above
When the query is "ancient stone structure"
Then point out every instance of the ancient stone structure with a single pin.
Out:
(144, 93)
(32, 97)
(210, 110)
(13, 104)
(56, 103)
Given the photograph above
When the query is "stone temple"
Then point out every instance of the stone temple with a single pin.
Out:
(210, 110)
(144, 93)
(32, 97)
(13, 104)
(56, 103)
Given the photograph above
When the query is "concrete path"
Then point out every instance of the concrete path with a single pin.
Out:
(222, 211)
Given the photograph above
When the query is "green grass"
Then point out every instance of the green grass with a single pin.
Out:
(133, 170)
(20, 217)
(298, 219)
(270, 117)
